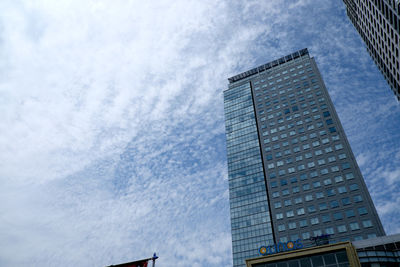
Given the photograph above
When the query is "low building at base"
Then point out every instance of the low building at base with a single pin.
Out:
(376, 252)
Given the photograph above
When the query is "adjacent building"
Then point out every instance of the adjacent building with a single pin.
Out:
(376, 252)
(292, 174)
(378, 23)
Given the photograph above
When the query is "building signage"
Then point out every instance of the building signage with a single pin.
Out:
(280, 247)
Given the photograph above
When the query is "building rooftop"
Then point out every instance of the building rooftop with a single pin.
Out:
(269, 65)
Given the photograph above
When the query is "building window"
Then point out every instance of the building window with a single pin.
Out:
(292, 225)
(281, 227)
(334, 204)
(326, 218)
(332, 159)
(311, 209)
(308, 197)
(301, 167)
(342, 228)
(367, 223)
(358, 198)
(317, 232)
(330, 192)
(314, 221)
(338, 179)
(353, 187)
(289, 213)
(319, 195)
(324, 171)
(342, 189)
(328, 181)
(346, 166)
(300, 211)
(306, 187)
(288, 202)
(323, 206)
(338, 146)
(350, 213)
(277, 205)
(296, 189)
(279, 216)
(335, 168)
(349, 176)
(275, 194)
(316, 184)
(329, 231)
(311, 164)
(362, 211)
(306, 235)
(318, 152)
(271, 166)
(303, 223)
(338, 216)
(346, 201)
(298, 200)
(354, 226)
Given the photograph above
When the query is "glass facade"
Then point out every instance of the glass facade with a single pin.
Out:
(250, 217)
(291, 170)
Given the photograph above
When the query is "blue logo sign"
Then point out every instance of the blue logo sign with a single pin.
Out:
(280, 247)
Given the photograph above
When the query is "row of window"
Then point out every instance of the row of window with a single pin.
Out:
(322, 206)
(310, 165)
(289, 98)
(317, 184)
(279, 115)
(326, 181)
(292, 71)
(272, 122)
(325, 218)
(281, 85)
(320, 161)
(307, 235)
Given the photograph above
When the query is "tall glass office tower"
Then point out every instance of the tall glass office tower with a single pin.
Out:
(378, 23)
(292, 174)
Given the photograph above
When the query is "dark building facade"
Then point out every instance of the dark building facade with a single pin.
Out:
(292, 174)
(378, 23)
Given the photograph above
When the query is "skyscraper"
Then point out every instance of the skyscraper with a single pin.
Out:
(378, 23)
(292, 174)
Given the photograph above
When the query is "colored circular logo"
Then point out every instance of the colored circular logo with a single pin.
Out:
(290, 245)
(263, 250)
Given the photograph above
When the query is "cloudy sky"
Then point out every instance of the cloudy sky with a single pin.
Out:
(112, 140)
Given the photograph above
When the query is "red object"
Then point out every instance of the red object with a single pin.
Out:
(138, 264)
